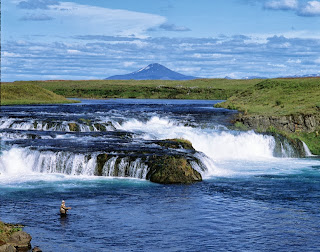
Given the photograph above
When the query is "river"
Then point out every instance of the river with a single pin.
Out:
(256, 193)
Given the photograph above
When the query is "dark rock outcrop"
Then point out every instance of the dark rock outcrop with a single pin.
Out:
(294, 128)
(287, 147)
(20, 240)
(176, 144)
(172, 170)
(171, 163)
(7, 248)
(13, 239)
(36, 249)
(101, 160)
(290, 124)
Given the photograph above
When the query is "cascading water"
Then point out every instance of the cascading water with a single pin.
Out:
(221, 152)
(26, 161)
(55, 125)
(258, 195)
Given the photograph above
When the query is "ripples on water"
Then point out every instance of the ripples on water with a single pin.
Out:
(249, 201)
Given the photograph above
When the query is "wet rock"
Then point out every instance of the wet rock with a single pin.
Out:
(101, 160)
(172, 170)
(20, 240)
(74, 127)
(286, 147)
(176, 144)
(36, 249)
(100, 127)
(290, 123)
(7, 248)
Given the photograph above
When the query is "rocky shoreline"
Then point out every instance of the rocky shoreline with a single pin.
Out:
(14, 239)
(290, 123)
(296, 128)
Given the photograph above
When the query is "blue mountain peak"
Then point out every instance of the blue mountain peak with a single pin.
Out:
(154, 71)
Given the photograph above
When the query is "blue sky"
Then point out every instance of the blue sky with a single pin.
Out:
(55, 39)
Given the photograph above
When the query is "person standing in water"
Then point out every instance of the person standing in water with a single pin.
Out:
(64, 209)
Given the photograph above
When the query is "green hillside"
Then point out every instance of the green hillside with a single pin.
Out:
(26, 93)
(278, 97)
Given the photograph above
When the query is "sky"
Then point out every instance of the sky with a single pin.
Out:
(80, 39)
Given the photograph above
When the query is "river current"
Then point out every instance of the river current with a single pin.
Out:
(257, 195)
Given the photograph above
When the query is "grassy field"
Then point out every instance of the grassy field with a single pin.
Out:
(261, 97)
(278, 97)
(26, 93)
(151, 89)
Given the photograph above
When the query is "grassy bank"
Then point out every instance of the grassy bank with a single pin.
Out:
(151, 89)
(281, 98)
(278, 97)
(26, 93)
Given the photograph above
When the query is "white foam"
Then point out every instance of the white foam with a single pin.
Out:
(214, 143)
(227, 153)
(307, 151)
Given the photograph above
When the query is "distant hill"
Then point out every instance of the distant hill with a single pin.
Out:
(290, 76)
(153, 71)
(302, 76)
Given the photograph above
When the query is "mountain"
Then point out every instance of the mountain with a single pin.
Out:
(302, 76)
(153, 71)
(289, 76)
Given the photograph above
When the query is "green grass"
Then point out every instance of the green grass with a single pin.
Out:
(150, 89)
(278, 97)
(26, 93)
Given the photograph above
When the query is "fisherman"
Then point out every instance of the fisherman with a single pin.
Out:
(64, 209)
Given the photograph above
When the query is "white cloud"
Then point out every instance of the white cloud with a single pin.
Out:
(128, 63)
(292, 61)
(10, 54)
(312, 8)
(69, 18)
(317, 61)
(282, 4)
(188, 70)
(72, 51)
(276, 65)
(208, 55)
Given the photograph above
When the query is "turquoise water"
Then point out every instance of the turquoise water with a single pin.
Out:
(250, 200)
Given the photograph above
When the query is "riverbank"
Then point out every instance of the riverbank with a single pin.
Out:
(12, 238)
(290, 107)
(27, 93)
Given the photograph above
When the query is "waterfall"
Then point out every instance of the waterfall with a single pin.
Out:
(306, 150)
(55, 125)
(217, 143)
(27, 161)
